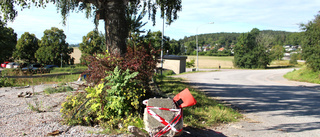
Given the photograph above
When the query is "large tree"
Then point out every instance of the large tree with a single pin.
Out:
(8, 41)
(26, 47)
(53, 47)
(113, 12)
(311, 44)
(250, 52)
(91, 44)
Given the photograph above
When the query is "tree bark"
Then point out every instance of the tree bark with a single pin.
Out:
(116, 29)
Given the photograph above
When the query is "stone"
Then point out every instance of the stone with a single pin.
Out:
(137, 132)
(152, 125)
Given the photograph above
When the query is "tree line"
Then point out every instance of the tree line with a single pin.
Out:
(229, 40)
(52, 48)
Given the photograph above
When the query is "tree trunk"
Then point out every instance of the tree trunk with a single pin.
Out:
(116, 29)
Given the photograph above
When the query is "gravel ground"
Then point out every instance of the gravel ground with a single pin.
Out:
(17, 119)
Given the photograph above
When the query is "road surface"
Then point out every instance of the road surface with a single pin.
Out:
(272, 105)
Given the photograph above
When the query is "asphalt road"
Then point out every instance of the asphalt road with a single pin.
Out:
(272, 106)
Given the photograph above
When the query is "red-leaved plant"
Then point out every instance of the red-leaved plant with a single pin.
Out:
(142, 59)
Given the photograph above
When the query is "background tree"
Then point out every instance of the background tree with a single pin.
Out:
(8, 41)
(248, 53)
(52, 45)
(155, 38)
(295, 38)
(277, 52)
(311, 44)
(26, 47)
(92, 44)
(175, 47)
(293, 59)
(113, 12)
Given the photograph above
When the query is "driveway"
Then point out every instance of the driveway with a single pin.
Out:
(272, 105)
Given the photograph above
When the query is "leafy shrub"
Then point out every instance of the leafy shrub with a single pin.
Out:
(190, 64)
(167, 72)
(293, 59)
(141, 59)
(5, 82)
(109, 104)
(11, 72)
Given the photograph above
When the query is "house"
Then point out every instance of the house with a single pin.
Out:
(206, 49)
(221, 49)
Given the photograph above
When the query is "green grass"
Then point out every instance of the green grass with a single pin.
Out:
(283, 64)
(304, 75)
(222, 58)
(206, 113)
(58, 90)
(69, 69)
(41, 80)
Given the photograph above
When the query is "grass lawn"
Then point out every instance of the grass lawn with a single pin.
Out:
(206, 113)
(213, 62)
(304, 75)
(42, 80)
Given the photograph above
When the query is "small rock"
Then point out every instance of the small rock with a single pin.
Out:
(237, 126)
(137, 132)
(20, 94)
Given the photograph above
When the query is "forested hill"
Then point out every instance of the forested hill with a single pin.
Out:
(227, 39)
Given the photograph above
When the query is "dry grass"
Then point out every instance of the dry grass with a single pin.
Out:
(76, 54)
(210, 62)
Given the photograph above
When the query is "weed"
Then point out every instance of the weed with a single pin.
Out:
(38, 107)
(58, 90)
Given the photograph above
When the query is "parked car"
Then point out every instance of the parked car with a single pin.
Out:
(12, 65)
(48, 68)
(4, 64)
(32, 68)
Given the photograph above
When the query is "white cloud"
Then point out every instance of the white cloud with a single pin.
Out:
(37, 20)
(241, 16)
(228, 15)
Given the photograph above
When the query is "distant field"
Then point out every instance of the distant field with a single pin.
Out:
(213, 62)
(210, 62)
(76, 54)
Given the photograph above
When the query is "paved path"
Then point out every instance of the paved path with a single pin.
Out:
(272, 105)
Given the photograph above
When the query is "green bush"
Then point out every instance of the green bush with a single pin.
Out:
(5, 82)
(293, 59)
(190, 64)
(108, 104)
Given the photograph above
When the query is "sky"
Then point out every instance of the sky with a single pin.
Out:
(228, 16)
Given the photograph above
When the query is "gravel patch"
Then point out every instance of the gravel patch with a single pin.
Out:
(17, 119)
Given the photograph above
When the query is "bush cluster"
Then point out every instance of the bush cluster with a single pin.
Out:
(109, 104)
(5, 82)
(121, 84)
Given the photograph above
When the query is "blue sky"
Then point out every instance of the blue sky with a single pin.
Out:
(227, 15)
